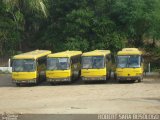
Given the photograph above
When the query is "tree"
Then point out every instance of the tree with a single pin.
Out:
(78, 25)
(9, 34)
(135, 18)
(19, 13)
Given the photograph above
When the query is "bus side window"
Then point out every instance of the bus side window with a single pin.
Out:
(79, 59)
(72, 60)
(142, 60)
(107, 59)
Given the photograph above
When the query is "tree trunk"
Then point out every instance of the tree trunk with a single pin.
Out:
(153, 43)
(138, 41)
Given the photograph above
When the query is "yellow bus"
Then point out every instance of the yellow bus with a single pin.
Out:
(129, 65)
(63, 66)
(29, 67)
(96, 65)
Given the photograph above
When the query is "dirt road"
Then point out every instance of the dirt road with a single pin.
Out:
(78, 97)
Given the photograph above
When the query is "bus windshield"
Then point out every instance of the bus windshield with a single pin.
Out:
(24, 65)
(93, 62)
(132, 61)
(58, 63)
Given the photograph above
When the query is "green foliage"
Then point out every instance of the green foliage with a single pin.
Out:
(77, 43)
(136, 18)
(77, 24)
(9, 34)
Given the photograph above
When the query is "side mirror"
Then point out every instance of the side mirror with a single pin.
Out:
(10, 62)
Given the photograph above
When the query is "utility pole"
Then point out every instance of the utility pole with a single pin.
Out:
(149, 67)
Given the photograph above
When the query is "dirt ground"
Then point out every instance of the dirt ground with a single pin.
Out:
(110, 97)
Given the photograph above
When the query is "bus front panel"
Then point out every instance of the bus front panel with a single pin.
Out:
(93, 68)
(129, 67)
(58, 75)
(129, 73)
(24, 71)
(93, 74)
(58, 69)
(24, 77)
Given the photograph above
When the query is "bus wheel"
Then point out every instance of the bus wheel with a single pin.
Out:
(37, 82)
(132, 81)
(118, 81)
(108, 76)
(115, 78)
(52, 83)
(18, 84)
(140, 80)
(86, 82)
(71, 79)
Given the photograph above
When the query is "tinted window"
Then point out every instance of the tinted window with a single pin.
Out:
(128, 61)
(25, 65)
(58, 63)
(93, 62)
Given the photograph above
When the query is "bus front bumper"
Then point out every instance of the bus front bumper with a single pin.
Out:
(129, 77)
(93, 78)
(68, 79)
(24, 81)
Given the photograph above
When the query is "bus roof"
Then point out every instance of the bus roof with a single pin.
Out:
(131, 52)
(97, 53)
(32, 55)
(65, 54)
(130, 49)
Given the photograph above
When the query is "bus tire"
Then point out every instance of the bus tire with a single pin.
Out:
(72, 78)
(86, 82)
(141, 78)
(108, 75)
(36, 82)
(118, 81)
(132, 81)
(115, 78)
(52, 83)
(79, 74)
(18, 84)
